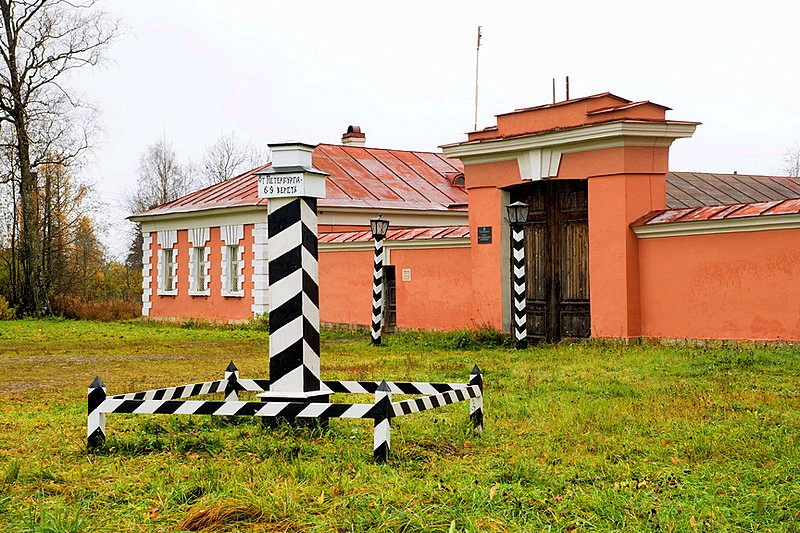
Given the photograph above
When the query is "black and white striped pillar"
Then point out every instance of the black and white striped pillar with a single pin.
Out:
(381, 440)
(377, 291)
(293, 296)
(476, 404)
(518, 285)
(292, 186)
(96, 429)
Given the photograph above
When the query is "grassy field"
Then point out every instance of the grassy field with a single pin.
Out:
(579, 437)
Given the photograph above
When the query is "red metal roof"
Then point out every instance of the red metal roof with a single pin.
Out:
(397, 234)
(720, 212)
(359, 177)
(698, 196)
(695, 189)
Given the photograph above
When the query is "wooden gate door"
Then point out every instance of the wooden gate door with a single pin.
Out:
(390, 299)
(557, 255)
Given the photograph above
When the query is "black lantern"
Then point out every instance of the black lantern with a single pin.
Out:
(517, 213)
(379, 227)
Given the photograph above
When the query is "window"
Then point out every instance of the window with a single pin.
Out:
(232, 271)
(166, 272)
(233, 268)
(199, 271)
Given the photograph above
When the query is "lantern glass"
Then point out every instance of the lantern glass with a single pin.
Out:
(517, 213)
(379, 227)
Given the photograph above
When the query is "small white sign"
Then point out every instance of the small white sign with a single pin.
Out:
(406, 274)
(280, 185)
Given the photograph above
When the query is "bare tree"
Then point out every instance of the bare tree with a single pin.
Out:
(40, 42)
(161, 178)
(791, 160)
(228, 157)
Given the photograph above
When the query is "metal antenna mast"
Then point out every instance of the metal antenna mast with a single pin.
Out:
(477, 58)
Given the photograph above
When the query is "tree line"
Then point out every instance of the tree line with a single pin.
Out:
(51, 258)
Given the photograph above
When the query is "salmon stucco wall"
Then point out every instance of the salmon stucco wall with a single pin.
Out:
(345, 287)
(214, 307)
(437, 296)
(721, 286)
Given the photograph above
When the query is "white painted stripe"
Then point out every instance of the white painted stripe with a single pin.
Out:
(285, 289)
(310, 311)
(286, 336)
(310, 264)
(285, 241)
(291, 382)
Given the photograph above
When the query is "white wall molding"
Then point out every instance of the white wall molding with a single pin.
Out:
(217, 217)
(147, 279)
(538, 155)
(167, 239)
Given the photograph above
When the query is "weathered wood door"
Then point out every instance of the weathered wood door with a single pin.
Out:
(557, 256)
(390, 299)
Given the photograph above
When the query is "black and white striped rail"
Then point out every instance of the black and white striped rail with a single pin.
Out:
(293, 296)
(172, 401)
(377, 292)
(518, 285)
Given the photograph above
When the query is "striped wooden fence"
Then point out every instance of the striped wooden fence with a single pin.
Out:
(173, 401)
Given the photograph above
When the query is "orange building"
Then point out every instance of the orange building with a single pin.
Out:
(616, 245)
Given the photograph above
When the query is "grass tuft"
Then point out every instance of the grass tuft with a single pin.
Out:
(220, 515)
(12, 472)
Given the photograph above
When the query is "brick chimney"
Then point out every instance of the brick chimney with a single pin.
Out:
(354, 137)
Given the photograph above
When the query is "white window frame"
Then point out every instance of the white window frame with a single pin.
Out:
(232, 250)
(199, 271)
(167, 263)
(199, 265)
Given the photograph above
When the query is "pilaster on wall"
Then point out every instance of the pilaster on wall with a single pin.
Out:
(614, 203)
(260, 270)
(147, 279)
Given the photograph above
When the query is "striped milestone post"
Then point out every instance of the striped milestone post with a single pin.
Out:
(518, 216)
(96, 430)
(383, 405)
(379, 227)
(293, 186)
(476, 404)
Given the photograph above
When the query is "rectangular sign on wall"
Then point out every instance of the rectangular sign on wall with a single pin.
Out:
(484, 235)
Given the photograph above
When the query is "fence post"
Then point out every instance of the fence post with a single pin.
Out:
(476, 404)
(383, 404)
(96, 430)
(232, 383)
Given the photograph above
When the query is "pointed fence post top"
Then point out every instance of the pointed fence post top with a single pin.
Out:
(475, 371)
(383, 387)
(97, 383)
(231, 367)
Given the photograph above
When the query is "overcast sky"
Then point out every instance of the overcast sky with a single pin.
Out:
(192, 70)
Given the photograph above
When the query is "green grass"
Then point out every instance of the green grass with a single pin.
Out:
(579, 437)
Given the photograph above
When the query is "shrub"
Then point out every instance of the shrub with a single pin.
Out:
(102, 310)
(6, 311)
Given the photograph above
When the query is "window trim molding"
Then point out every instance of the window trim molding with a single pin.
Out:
(167, 240)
